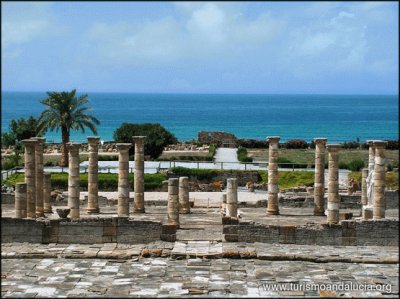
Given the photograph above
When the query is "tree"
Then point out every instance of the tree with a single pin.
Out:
(19, 130)
(157, 137)
(66, 111)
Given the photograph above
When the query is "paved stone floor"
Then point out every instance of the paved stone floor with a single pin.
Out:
(192, 269)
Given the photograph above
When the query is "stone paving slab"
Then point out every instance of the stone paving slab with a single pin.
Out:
(194, 277)
(206, 249)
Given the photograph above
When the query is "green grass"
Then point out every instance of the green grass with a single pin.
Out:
(106, 181)
(391, 179)
(307, 156)
(290, 179)
(242, 155)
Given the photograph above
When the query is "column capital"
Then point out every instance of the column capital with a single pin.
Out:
(138, 138)
(29, 142)
(333, 146)
(40, 140)
(93, 140)
(371, 142)
(320, 140)
(273, 139)
(73, 146)
(123, 146)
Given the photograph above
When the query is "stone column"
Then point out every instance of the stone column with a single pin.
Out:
(273, 205)
(319, 177)
(231, 198)
(47, 193)
(30, 177)
(379, 206)
(370, 177)
(333, 183)
(39, 148)
(73, 179)
(20, 200)
(93, 184)
(364, 198)
(173, 201)
(123, 182)
(138, 204)
(184, 205)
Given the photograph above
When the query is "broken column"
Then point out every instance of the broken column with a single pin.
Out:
(138, 204)
(30, 177)
(273, 206)
(319, 179)
(364, 198)
(20, 200)
(93, 185)
(39, 175)
(173, 201)
(73, 179)
(379, 205)
(333, 183)
(123, 182)
(184, 205)
(231, 197)
(47, 193)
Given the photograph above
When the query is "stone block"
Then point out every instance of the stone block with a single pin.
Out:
(231, 238)
(169, 228)
(287, 234)
(230, 229)
(168, 237)
(229, 220)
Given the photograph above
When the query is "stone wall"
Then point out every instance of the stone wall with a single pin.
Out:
(219, 138)
(82, 231)
(382, 232)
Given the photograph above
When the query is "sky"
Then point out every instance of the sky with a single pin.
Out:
(201, 47)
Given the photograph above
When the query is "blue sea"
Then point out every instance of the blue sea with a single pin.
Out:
(336, 117)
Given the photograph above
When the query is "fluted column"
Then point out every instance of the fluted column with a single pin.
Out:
(333, 183)
(231, 197)
(20, 200)
(173, 201)
(30, 177)
(47, 193)
(39, 175)
(73, 179)
(273, 205)
(319, 178)
(379, 205)
(93, 183)
(123, 182)
(184, 205)
(138, 204)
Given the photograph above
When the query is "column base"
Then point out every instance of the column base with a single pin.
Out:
(74, 213)
(39, 214)
(138, 211)
(93, 211)
(272, 212)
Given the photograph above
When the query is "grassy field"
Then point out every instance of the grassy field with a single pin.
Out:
(307, 156)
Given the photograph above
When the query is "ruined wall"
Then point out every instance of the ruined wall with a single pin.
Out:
(383, 232)
(83, 231)
(219, 138)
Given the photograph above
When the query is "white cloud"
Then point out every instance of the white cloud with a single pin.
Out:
(202, 31)
(23, 22)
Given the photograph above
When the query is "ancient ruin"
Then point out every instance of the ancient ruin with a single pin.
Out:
(273, 205)
(319, 179)
(138, 205)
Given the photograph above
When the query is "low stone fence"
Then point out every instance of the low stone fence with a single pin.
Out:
(85, 231)
(383, 232)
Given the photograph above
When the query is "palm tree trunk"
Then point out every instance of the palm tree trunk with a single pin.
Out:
(64, 149)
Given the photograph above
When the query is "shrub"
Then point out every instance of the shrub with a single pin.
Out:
(252, 143)
(19, 130)
(351, 145)
(200, 174)
(296, 144)
(108, 157)
(356, 165)
(157, 137)
(211, 151)
(392, 145)
(242, 155)
(106, 181)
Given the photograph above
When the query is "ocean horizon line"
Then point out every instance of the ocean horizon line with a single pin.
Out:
(207, 93)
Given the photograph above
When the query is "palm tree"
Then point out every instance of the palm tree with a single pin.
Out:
(66, 111)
